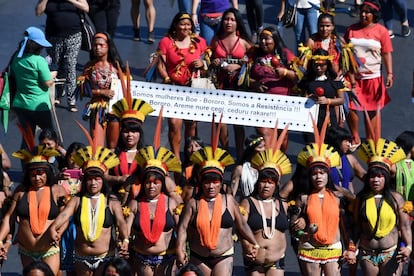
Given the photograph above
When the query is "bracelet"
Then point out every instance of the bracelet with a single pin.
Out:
(9, 241)
(390, 73)
(352, 247)
(409, 247)
(256, 246)
(98, 92)
(329, 101)
(167, 79)
(125, 240)
(285, 73)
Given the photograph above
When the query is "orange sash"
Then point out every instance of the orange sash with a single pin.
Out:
(209, 231)
(325, 216)
(152, 229)
(39, 212)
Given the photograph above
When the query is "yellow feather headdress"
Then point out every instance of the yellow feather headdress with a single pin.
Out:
(273, 157)
(213, 157)
(158, 157)
(33, 155)
(128, 108)
(319, 153)
(377, 151)
(94, 156)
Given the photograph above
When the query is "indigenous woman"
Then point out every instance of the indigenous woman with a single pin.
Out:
(208, 218)
(229, 48)
(131, 113)
(270, 69)
(266, 214)
(96, 81)
(326, 39)
(152, 219)
(373, 47)
(180, 56)
(37, 203)
(245, 174)
(383, 232)
(94, 211)
(320, 85)
(320, 250)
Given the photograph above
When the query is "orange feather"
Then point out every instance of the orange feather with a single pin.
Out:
(88, 136)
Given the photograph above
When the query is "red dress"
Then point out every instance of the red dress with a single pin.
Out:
(370, 43)
(178, 60)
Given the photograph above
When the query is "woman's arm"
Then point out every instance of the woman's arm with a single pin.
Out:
(5, 160)
(40, 7)
(235, 180)
(116, 209)
(162, 69)
(241, 225)
(388, 67)
(185, 219)
(404, 226)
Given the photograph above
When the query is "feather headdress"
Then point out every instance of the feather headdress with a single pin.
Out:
(156, 157)
(33, 155)
(319, 153)
(128, 108)
(377, 151)
(94, 156)
(273, 157)
(213, 158)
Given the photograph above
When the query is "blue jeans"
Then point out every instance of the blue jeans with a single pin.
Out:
(308, 16)
(400, 6)
(207, 31)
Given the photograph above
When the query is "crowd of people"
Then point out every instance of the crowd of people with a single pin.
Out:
(118, 206)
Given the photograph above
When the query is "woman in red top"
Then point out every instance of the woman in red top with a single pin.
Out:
(180, 55)
(270, 71)
(229, 50)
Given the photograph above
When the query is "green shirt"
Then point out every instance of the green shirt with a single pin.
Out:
(31, 73)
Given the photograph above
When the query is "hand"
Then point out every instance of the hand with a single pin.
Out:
(299, 224)
(182, 258)
(197, 63)
(322, 100)
(194, 17)
(349, 256)
(403, 254)
(217, 62)
(123, 249)
(110, 93)
(390, 81)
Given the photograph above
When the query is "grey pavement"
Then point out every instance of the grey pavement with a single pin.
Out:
(17, 15)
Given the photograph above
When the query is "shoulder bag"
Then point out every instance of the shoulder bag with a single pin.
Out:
(88, 31)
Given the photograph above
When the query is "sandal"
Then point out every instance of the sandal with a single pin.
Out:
(73, 108)
(57, 102)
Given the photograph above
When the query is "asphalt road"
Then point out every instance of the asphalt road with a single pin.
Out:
(17, 15)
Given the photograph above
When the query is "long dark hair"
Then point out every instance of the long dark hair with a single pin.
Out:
(71, 149)
(120, 264)
(329, 185)
(113, 54)
(38, 265)
(251, 143)
(335, 135)
(328, 16)
(187, 143)
(280, 45)
(387, 191)
(405, 141)
(241, 29)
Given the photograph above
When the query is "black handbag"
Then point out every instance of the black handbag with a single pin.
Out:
(88, 31)
(289, 17)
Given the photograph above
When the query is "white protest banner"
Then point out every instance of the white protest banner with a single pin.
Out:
(239, 108)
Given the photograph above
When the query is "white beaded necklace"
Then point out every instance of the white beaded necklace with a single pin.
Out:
(268, 234)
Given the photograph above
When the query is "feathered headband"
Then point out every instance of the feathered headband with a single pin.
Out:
(33, 156)
(213, 158)
(273, 157)
(128, 108)
(94, 156)
(377, 151)
(156, 157)
(319, 153)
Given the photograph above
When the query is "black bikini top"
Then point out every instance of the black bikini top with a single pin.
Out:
(255, 218)
(22, 208)
(169, 220)
(227, 220)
